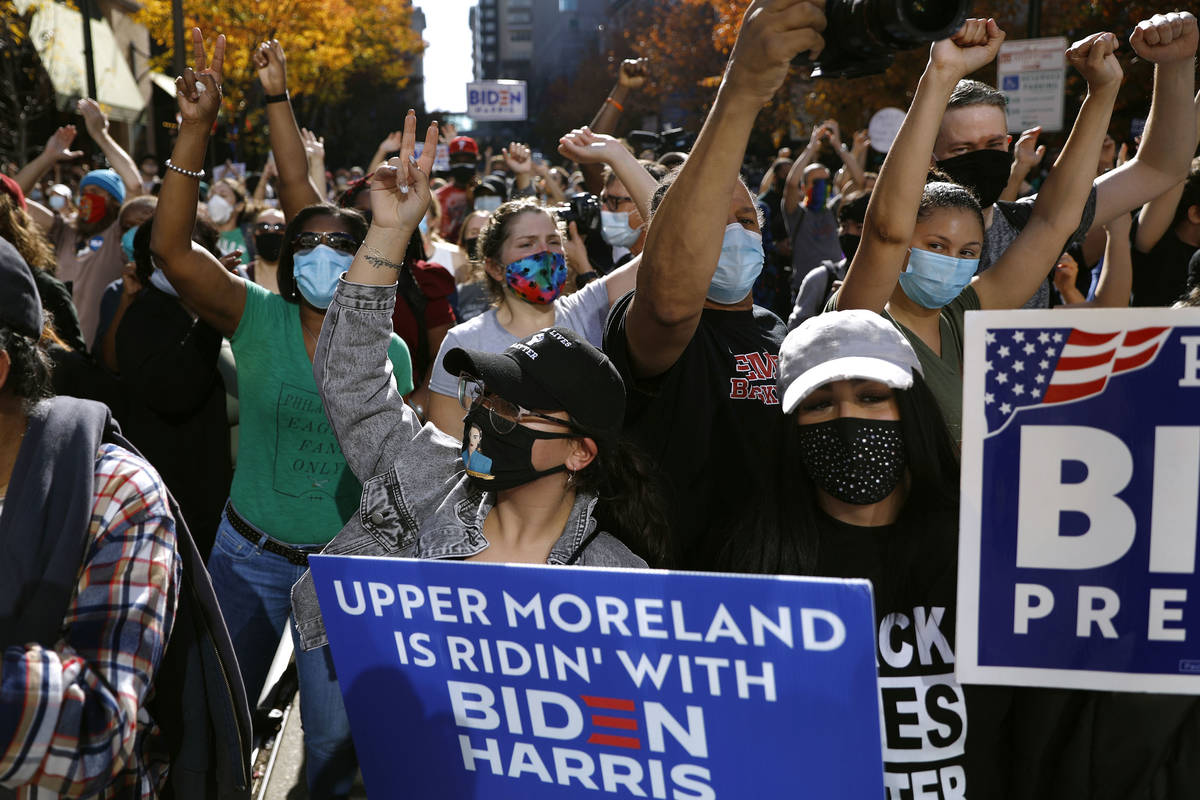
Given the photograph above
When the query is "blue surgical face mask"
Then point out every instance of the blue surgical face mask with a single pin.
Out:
(739, 266)
(616, 229)
(932, 280)
(317, 272)
(487, 202)
(127, 242)
(158, 279)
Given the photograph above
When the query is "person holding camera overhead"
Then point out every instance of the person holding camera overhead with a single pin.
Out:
(697, 357)
(525, 261)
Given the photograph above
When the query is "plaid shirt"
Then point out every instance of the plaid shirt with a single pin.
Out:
(73, 719)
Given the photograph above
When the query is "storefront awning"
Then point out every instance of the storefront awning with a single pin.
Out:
(57, 32)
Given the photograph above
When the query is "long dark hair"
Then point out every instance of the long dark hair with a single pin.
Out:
(354, 221)
(631, 506)
(780, 536)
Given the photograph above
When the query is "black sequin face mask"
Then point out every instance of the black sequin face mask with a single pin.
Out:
(859, 461)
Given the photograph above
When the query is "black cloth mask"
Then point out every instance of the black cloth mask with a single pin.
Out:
(496, 461)
(984, 172)
(462, 173)
(858, 461)
(849, 244)
(268, 246)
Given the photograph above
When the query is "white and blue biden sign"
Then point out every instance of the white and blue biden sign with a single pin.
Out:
(501, 681)
(1081, 473)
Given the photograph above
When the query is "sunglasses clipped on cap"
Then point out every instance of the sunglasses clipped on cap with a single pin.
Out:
(342, 242)
(505, 415)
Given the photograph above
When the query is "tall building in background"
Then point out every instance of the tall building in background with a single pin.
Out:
(502, 39)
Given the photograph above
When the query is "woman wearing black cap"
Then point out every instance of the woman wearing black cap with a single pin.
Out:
(539, 447)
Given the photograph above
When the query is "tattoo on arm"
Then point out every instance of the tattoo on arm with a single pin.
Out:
(378, 260)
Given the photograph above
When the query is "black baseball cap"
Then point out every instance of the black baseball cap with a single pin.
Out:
(552, 370)
(20, 303)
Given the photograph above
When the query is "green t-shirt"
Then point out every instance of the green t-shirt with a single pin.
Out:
(943, 374)
(291, 479)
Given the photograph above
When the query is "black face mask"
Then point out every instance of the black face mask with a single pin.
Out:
(268, 245)
(497, 461)
(859, 461)
(984, 172)
(469, 246)
(462, 173)
(849, 243)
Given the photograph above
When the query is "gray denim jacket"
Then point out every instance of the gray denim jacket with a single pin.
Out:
(417, 501)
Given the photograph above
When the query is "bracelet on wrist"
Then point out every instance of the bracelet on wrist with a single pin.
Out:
(277, 98)
(197, 174)
(615, 104)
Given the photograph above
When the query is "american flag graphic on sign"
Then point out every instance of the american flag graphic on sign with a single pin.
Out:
(1028, 367)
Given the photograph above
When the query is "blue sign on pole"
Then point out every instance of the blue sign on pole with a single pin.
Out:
(503, 681)
(1081, 478)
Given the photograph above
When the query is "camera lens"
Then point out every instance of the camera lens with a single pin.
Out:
(928, 15)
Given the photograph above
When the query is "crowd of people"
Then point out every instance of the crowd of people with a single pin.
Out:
(624, 360)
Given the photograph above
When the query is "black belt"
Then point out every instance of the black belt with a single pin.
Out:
(296, 555)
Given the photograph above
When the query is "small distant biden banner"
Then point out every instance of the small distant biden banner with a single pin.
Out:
(496, 100)
(514, 682)
(1081, 472)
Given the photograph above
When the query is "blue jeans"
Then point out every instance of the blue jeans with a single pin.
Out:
(253, 588)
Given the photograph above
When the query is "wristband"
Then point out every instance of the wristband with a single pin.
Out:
(615, 104)
(190, 173)
(277, 98)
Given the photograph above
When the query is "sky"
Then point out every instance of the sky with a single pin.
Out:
(448, 56)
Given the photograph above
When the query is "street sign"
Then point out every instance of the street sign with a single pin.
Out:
(496, 100)
(1032, 75)
(1080, 486)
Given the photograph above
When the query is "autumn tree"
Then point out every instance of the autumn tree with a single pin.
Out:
(25, 91)
(689, 41)
(335, 48)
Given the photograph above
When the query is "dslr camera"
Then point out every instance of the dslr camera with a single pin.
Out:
(863, 36)
(584, 210)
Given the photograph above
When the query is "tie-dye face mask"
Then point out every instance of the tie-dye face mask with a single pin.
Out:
(538, 278)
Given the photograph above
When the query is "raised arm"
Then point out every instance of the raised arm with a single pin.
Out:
(795, 176)
(370, 418)
(314, 152)
(892, 211)
(121, 162)
(849, 161)
(519, 159)
(1026, 155)
(1157, 215)
(57, 149)
(1116, 276)
(1169, 41)
(296, 189)
(631, 76)
(217, 295)
(683, 245)
(390, 144)
(1060, 202)
(585, 147)
(260, 189)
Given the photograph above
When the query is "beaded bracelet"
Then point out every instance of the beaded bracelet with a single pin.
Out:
(197, 174)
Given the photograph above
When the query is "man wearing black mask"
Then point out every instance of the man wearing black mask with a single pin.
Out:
(972, 146)
(455, 197)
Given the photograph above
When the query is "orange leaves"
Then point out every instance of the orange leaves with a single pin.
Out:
(327, 42)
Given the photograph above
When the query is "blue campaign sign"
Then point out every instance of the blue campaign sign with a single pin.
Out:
(525, 682)
(1081, 473)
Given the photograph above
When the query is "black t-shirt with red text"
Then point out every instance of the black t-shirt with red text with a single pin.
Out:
(912, 566)
(707, 423)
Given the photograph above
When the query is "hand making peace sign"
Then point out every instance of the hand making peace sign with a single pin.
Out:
(400, 186)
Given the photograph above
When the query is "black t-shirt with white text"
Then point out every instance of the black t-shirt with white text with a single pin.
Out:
(707, 422)
(912, 567)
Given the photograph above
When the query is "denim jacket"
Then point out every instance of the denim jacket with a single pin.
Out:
(417, 501)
